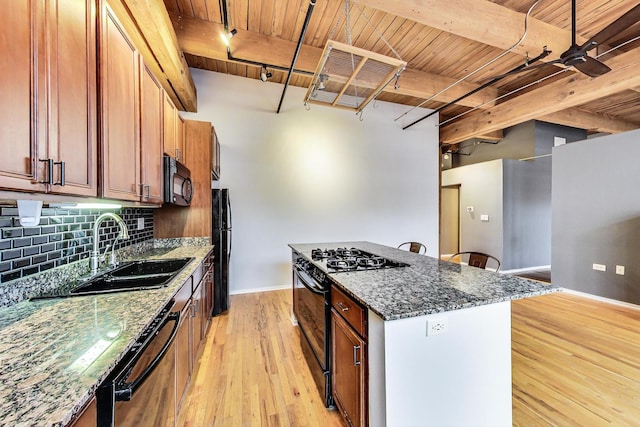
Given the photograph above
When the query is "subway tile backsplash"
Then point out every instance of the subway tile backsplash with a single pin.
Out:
(63, 236)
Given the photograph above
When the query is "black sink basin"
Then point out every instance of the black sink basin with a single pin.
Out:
(107, 284)
(135, 275)
(155, 266)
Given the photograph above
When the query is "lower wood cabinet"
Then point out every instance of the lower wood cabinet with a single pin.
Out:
(88, 416)
(183, 348)
(349, 368)
(196, 323)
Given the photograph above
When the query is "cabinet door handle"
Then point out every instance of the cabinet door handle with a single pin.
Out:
(194, 306)
(356, 362)
(148, 190)
(61, 180)
(49, 171)
(342, 307)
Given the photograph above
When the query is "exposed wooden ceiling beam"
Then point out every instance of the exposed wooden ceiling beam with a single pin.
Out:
(202, 38)
(148, 23)
(480, 20)
(575, 117)
(565, 93)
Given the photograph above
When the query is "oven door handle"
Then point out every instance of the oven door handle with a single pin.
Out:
(125, 390)
(308, 283)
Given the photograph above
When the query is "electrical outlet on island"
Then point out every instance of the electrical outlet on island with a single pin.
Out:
(437, 326)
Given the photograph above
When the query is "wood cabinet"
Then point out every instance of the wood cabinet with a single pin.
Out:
(173, 130)
(49, 97)
(194, 221)
(208, 292)
(88, 417)
(197, 317)
(349, 368)
(215, 155)
(120, 110)
(132, 118)
(183, 347)
(151, 173)
(180, 139)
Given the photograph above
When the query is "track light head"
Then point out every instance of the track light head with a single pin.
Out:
(321, 79)
(226, 38)
(265, 74)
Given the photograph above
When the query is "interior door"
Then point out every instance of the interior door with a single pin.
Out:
(449, 220)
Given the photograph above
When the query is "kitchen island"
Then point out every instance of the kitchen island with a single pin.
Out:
(55, 352)
(458, 373)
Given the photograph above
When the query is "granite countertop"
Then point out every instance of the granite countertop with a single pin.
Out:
(55, 352)
(428, 285)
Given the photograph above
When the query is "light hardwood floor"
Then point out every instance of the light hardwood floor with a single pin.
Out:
(575, 362)
(252, 371)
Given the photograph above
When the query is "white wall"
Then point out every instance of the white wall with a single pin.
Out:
(480, 187)
(315, 176)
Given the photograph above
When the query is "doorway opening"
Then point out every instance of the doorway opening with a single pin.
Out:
(449, 220)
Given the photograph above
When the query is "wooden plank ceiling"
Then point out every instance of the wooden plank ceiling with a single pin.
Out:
(442, 42)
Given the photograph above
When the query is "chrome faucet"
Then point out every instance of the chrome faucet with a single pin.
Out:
(95, 253)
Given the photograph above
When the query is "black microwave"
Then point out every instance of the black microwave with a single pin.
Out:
(178, 188)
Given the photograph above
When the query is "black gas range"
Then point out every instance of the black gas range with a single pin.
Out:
(352, 259)
(312, 303)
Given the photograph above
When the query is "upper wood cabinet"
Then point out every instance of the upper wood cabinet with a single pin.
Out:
(49, 105)
(215, 155)
(173, 130)
(132, 101)
(194, 221)
(151, 98)
(120, 110)
(180, 139)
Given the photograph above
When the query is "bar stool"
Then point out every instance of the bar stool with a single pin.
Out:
(416, 247)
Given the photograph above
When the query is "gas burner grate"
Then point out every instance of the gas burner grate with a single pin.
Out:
(351, 259)
(343, 264)
(318, 254)
(352, 252)
(372, 262)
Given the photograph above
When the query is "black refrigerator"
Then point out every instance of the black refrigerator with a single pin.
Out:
(221, 227)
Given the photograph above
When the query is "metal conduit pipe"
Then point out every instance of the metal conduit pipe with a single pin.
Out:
(230, 57)
(544, 54)
(307, 18)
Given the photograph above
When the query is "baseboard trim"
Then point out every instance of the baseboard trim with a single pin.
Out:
(526, 270)
(602, 299)
(257, 290)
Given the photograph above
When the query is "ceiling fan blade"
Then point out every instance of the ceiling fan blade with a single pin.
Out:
(592, 67)
(625, 21)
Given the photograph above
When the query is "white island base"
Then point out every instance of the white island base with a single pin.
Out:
(461, 377)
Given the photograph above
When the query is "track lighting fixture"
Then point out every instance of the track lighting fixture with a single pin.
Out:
(321, 79)
(226, 38)
(265, 74)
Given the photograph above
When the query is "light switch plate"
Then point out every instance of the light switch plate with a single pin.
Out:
(140, 223)
(484, 217)
(620, 270)
(599, 267)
